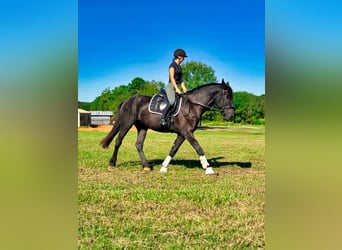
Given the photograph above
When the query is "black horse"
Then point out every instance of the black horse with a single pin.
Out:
(134, 111)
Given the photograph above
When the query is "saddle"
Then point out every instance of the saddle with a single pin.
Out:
(159, 102)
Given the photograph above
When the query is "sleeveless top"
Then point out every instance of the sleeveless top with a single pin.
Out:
(178, 72)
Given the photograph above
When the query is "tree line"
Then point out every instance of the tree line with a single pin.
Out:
(249, 108)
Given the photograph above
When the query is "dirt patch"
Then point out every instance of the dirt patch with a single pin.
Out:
(100, 128)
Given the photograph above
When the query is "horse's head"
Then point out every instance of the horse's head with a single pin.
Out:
(224, 101)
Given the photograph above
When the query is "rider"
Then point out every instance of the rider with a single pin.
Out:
(175, 80)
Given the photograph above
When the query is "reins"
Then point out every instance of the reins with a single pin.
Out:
(211, 108)
(221, 109)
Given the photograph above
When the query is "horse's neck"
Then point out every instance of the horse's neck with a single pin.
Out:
(204, 97)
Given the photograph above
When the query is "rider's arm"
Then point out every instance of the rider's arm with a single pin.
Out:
(172, 79)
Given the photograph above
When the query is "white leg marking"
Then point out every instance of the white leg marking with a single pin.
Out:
(165, 163)
(204, 162)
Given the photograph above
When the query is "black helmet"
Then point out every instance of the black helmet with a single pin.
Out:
(179, 52)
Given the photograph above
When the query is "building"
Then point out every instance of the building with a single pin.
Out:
(84, 117)
(101, 117)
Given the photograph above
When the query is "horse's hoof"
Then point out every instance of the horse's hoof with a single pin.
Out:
(163, 170)
(111, 164)
(147, 169)
(210, 171)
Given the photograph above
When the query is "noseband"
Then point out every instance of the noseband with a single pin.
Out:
(227, 107)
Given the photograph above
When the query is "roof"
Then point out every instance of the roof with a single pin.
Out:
(82, 111)
(102, 113)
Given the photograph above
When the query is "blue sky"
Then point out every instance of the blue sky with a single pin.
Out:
(121, 40)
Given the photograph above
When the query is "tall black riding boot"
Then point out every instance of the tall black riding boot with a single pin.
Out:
(164, 115)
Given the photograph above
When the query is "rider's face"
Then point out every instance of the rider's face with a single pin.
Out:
(180, 59)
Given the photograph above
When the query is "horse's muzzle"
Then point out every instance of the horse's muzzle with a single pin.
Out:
(229, 114)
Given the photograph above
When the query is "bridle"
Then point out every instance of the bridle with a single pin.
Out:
(221, 109)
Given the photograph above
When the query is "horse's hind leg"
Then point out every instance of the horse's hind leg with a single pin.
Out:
(140, 147)
(118, 142)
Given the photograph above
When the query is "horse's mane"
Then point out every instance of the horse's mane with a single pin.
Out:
(201, 86)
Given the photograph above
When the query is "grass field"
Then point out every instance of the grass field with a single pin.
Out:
(127, 208)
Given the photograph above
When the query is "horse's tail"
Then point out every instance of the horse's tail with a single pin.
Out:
(116, 128)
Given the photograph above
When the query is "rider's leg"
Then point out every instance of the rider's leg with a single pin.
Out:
(171, 96)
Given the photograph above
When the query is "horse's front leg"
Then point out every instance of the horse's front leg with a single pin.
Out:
(176, 145)
(194, 143)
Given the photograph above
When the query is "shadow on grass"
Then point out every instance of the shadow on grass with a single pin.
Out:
(214, 162)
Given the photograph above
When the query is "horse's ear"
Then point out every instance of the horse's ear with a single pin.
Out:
(226, 84)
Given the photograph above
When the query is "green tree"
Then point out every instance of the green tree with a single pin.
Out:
(150, 89)
(136, 85)
(119, 94)
(84, 105)
(95, 105)
(197, 73)
(102, 102)
(249, 108)
(158, 84)
(142, 87)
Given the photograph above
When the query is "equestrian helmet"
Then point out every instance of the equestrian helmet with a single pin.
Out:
(179, 52)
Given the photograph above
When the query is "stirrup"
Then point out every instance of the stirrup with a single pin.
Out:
(163, 122)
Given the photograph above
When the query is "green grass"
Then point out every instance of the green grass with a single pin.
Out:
(127, 208)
